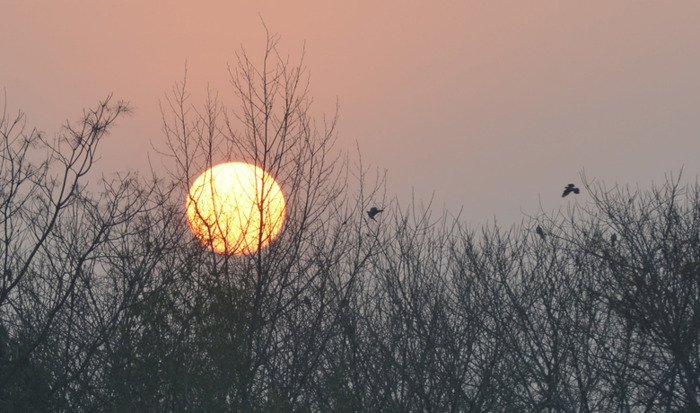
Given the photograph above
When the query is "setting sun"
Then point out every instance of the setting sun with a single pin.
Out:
(235, 208)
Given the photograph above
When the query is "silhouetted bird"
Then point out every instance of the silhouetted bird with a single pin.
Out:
(540, 232)
(374, 211)
(569, 189)
(613, 239)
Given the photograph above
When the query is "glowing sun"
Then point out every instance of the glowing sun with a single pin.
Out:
(235, 208)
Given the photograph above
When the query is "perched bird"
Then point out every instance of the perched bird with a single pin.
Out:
(613, 239)
(569, 189)
(540, 232)
(374, 211)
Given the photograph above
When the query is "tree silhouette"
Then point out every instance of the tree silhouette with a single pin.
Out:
(73, 260)
(257, 328)
(109, 303)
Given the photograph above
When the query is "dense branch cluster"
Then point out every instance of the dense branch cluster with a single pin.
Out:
(108, 303)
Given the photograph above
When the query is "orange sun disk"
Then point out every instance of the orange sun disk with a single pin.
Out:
(235, 208)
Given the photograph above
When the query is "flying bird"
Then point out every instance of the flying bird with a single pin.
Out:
(374, 211)
(540, 232)
(569, 189)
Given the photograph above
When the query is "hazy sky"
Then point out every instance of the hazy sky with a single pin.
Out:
(491, 105)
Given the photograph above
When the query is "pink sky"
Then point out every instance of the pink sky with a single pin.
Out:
(492, 105)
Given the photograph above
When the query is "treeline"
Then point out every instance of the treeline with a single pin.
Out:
(108, 302)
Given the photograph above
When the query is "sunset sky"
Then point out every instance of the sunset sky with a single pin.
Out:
(493, 106)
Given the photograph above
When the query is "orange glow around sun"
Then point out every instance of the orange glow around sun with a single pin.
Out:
(235, 208)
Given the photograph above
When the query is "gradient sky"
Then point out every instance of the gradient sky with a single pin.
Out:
(492, 106)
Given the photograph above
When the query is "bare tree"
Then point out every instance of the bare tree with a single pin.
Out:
(649, 279)
(258, 327)
(109, 303)
(74, 256)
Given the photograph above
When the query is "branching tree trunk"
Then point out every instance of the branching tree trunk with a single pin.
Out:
(108, 302)
(649, 278)
(272, 314)
(63, 290)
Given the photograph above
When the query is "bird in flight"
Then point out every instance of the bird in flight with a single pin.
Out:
(374, 211)
(569, 189)
(540, 232)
